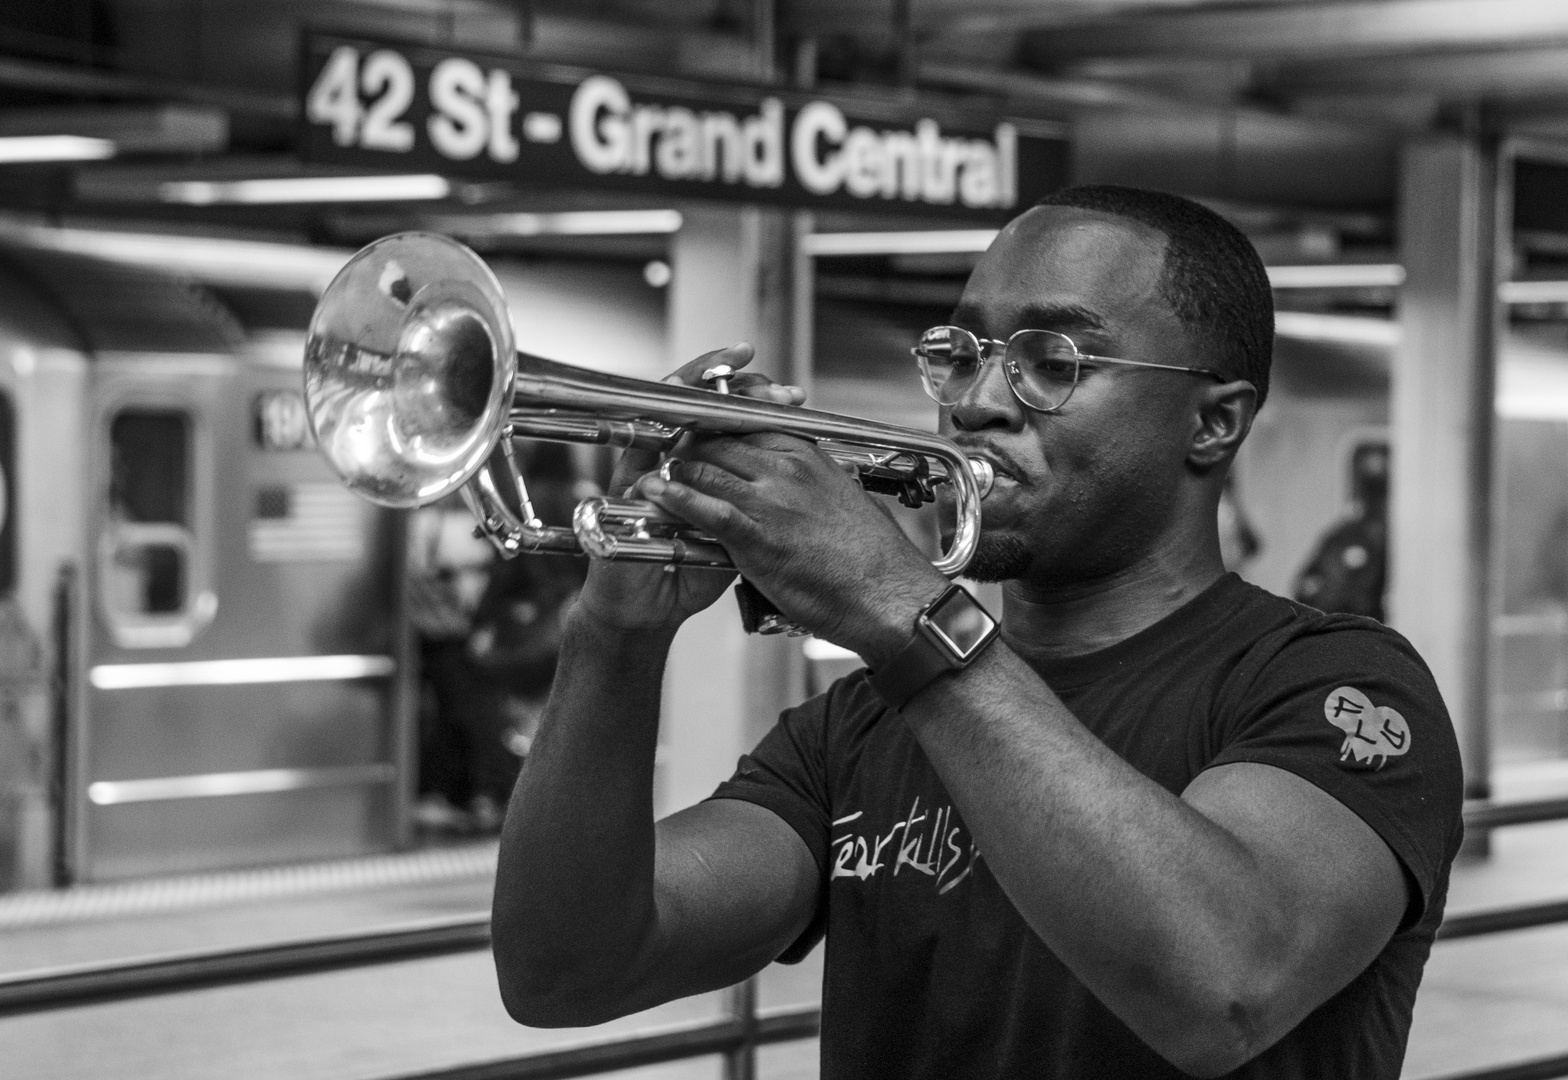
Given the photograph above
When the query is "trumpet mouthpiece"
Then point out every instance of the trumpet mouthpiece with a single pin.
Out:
(985, 475)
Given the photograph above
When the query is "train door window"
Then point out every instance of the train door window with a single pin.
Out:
(148, 545)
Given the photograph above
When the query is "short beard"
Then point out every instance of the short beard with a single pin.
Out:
(999, 558)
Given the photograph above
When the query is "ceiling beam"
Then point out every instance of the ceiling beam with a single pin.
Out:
(1510, 73)
(1361, 27)
(1068, 95)
(1129, 135)
(73, 79)
(875, 17)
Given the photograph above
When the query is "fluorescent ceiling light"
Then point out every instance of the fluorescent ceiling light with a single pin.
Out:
(565, 223)
(206, 258)
(1341, 329)
(932, 242)
(1337, 276)
(15, 149)
(307, 189)
(1534, 292)
(1368, 275)
(265, 669)
(253, 782)
(1532, 383)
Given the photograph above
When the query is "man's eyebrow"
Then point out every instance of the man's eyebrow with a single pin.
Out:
(1063, 317)
(1060, 317)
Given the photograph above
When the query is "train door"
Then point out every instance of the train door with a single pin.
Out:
(226, 719)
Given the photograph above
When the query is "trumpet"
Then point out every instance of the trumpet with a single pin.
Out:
(414, 389)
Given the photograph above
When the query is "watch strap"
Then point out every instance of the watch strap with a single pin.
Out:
(911, 671)
(926, 657)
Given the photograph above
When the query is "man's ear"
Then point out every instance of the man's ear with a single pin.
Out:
(1224, 417)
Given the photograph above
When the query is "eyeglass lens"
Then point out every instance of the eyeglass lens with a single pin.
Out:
(1041, 365)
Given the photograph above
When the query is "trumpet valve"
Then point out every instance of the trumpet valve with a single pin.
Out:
(718, 378)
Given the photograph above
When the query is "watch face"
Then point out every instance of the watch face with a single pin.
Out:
(961, 622)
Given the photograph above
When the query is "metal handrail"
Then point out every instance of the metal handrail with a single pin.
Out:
(736, 1036)
(1490, 815)
(1499, 920)
(1540, 1069)
(85, 984)
(719, 1037)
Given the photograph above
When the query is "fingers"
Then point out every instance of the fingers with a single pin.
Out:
(751, 457)
(632, 464)
(736, 356)
(714, 516)
(749, 384)
(765, 389)
(701, 476)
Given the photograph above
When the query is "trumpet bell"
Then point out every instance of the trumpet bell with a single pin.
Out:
(409, 369)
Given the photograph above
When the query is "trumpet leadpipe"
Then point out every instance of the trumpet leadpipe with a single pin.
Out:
(556, 425)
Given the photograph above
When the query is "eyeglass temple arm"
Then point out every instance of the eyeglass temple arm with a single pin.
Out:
(1145, 363)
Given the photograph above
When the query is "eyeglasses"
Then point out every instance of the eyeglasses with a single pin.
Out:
(1042, 366)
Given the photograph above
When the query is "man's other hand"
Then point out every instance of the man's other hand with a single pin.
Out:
(804, 532)
(645, 597)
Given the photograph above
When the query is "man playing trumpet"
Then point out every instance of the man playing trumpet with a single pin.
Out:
(1161, 823)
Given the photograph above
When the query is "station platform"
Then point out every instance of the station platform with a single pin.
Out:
(1485, 1001)
(380, 1022)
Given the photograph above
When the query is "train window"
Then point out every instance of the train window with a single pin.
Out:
(149, 454)
(147, 545)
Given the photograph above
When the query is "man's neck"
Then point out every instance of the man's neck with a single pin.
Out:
(1074, 619)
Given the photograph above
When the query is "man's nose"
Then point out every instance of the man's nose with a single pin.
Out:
(988, 402)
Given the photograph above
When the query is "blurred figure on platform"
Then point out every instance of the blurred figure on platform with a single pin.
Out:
(1349, 571)
(489, 630)
(449, 571)
(517, 633)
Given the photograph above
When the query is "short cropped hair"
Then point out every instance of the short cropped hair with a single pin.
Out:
(1213, 278)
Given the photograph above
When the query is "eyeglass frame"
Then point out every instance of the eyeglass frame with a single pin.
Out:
(1010, 367)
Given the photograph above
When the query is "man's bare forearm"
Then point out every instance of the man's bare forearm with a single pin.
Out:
(574, 885)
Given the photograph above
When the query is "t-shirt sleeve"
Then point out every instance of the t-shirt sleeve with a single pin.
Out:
(1353, 710)
(787, 774)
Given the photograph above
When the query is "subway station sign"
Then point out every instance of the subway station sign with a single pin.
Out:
(404, 108)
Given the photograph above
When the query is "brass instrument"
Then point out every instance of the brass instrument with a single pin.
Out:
(414, 389)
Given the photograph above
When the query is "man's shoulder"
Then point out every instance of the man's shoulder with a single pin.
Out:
(1293, 631)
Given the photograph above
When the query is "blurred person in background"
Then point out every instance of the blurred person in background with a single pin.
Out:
(1163, 824)
(449, 571)
(1348, 572)
(516, 635)
(489, 630)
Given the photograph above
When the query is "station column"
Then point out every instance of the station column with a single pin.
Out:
(1442, 412)
(722, 688)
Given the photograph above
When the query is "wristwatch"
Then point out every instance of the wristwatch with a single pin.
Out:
(950, 632)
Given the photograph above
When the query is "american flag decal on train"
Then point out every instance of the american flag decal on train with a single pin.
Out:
(306, 523)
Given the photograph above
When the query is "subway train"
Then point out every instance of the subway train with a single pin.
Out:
(204, 657)
(205, 660)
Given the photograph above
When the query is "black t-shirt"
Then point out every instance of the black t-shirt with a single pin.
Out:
(930, 970)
